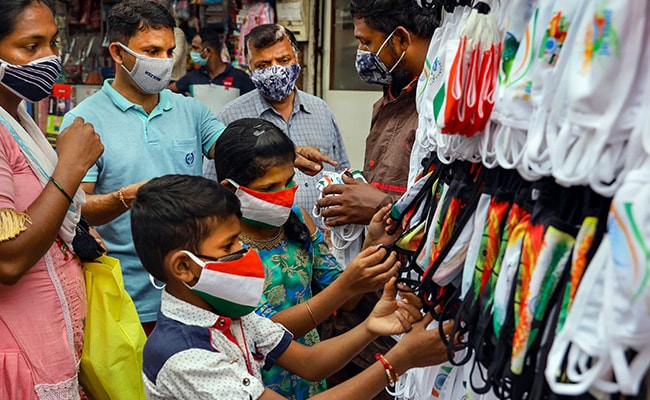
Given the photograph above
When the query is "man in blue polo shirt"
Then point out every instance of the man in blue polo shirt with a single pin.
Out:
(205, 52)
(147, 132)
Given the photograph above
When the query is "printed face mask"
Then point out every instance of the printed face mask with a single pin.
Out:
(265, 209)
(276, 82)
(233, 288)
(372, 70)
(152, 75)
(197, 59)
(33, 81)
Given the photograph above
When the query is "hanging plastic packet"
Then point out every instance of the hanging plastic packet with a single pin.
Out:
(505, 284)
(551, 262)
(444, 59)
(548, 66)
(627, 284)
(589, 235)
(518, 12)
(472, 79)
(579, 351)
(623, 149)
(478, 225)
(595, 90)
(513, 113)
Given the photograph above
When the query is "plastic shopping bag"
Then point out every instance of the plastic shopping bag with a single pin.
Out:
(111, 361)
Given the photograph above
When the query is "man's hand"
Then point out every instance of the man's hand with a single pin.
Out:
(309, 160)
(421, 346)
(356, 202)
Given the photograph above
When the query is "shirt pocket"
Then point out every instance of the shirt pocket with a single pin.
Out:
(186, 155)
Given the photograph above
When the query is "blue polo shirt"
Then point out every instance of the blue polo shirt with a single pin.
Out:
(140, 146)
(232, 77)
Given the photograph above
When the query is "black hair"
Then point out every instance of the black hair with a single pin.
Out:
(246, 150)
(130, 16)
(177, 212)
(386, 15)
(210, 37)
(263, 36)
(11, 9)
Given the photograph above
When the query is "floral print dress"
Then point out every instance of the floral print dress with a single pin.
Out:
(290, 270)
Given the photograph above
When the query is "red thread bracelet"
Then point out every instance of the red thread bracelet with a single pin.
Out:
(390, 371)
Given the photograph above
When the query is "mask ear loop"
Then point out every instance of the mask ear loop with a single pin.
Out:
(152, 280)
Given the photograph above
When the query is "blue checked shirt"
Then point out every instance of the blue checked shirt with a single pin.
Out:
(311, 124)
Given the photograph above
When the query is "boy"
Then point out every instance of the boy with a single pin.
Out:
(208, 343)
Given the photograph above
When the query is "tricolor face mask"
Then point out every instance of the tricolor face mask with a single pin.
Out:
(265, 209)
(232, 285)
(33, 81)
(372, 69)
(152, 75)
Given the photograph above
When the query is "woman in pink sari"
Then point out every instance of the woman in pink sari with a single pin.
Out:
(42, 291)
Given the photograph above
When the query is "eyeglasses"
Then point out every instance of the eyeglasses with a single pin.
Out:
(230, 257)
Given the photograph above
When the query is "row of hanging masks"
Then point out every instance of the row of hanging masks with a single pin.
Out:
(538, 86)
(505, 258)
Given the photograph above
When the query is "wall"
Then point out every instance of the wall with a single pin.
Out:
(352, 109)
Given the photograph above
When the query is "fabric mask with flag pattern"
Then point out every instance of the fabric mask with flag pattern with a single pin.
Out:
(265, 209)
(231, 288)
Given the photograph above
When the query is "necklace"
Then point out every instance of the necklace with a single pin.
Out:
(263, 244)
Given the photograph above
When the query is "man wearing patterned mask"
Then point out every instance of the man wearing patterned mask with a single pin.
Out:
(147, 132)
(272, 56)
(393, 37)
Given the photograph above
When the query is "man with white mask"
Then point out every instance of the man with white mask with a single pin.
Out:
(147, 131)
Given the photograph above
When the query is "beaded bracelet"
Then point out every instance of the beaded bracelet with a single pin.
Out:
(58, 186)
(391, 374)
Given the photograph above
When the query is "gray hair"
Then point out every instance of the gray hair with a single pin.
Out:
(267, 35)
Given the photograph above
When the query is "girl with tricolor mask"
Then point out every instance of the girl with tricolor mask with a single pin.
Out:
(255, 159)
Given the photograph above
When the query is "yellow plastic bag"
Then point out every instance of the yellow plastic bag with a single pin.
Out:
(111, 361)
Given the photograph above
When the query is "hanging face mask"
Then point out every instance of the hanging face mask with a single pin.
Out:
(197, 59)
(265, 209)
(372, 69)
(33, 81)
(276, 82)
(152, 75)
(232, 287)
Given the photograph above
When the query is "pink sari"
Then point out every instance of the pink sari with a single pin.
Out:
(41, 316)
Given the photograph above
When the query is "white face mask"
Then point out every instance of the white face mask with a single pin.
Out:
(152, 75)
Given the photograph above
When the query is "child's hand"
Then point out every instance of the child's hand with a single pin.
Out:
(391, 316)
(379, 228)
(369, 270)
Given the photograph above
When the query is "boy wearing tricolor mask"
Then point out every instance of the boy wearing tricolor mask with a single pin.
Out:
(207, 343)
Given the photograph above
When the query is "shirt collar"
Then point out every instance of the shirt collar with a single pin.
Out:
(204, 71)
(261, 105)
(411, 86)
(123, 104)
(185, 312)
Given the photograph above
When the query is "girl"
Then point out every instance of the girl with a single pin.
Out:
(42, 291)
(255, 159)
